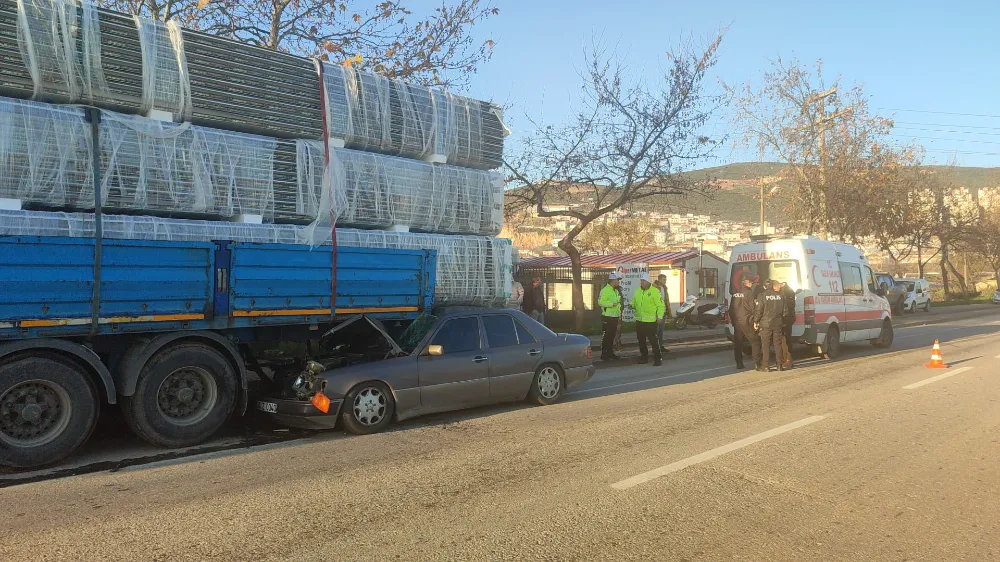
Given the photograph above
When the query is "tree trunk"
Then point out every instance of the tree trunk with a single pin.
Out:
(566, 245)
(944, 270)
(920, 261)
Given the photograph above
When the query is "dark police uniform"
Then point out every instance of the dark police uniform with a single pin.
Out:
(789, 320)
(770, 313)
(741, 311)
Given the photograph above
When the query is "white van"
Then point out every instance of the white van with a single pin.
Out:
(918, 294)
(836, 296)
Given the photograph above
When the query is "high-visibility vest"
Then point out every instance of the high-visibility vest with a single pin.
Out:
(610, 302)
(648, 304)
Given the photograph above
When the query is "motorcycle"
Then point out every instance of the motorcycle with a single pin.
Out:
(689, 312)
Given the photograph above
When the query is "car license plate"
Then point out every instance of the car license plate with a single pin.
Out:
(269, 407)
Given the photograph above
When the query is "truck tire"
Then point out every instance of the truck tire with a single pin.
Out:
(48, 409)
(184, 394)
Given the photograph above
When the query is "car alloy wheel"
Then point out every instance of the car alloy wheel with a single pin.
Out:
(370, 406)
(548, 383)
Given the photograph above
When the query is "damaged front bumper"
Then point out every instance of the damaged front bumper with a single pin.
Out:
(299, 413)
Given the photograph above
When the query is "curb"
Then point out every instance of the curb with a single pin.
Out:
(925, 321)
(725, 344)
(675, 341)
(699, 350)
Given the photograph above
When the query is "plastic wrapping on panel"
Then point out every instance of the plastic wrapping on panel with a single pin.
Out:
(371, 112)
(45, 154)
(180, 168)
(378, 191)
(471, 270)
(146, 165)
(60, 43)
(165, 82)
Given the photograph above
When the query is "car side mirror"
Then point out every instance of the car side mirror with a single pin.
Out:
(435, 350)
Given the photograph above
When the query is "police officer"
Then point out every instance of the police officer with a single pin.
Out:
(789, 320)
(648, 307)
(610, 302)
(741, 312)
(767, 318)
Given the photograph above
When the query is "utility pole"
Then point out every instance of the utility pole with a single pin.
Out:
(761, 182)
(701, 267)
(822, 123)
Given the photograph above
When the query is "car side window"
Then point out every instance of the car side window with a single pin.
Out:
(500, 330)
(523, 335)
(458, 335)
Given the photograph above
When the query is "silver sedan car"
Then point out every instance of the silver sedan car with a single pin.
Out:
(459, 360)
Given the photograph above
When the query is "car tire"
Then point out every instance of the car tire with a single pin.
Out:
(57, 383)
(927, 307)
(184, 394)
(886, 336)
(831, 346)
(368, 408)
(548, 385)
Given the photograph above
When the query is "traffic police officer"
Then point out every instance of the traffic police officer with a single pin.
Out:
(610, 302)
(789, 320)
(768, 317)
(648, 305)
(741, 312)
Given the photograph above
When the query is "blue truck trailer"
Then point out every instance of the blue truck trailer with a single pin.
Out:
(171, 331)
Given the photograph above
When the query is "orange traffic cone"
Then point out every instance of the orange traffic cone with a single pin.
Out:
(936, 361)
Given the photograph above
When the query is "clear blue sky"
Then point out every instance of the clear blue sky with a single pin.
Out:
(941, 57)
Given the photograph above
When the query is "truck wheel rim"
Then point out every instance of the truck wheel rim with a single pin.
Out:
(548, 383)
(34, 413)
(187, 396)
(370, 406)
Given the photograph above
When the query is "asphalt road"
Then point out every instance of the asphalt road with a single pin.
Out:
(870, 457)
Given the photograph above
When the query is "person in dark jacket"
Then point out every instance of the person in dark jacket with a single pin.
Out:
(534, 300)
(789, 320)
(741, 313)
(768, 318)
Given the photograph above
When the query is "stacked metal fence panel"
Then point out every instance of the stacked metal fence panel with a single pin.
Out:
(59, 51)
(198, 126)
(372, 112)
(186, 170)
(471, 270)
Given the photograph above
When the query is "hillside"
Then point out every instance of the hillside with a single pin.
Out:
(738, 196)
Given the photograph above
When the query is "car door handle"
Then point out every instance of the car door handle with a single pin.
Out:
(534, 352)
(479, 359)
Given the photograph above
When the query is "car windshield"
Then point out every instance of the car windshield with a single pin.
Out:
(416, 331)
(907, 285)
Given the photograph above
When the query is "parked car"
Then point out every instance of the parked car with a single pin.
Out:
(918, 294)
(996, 297)
(459, 360)
(895, 292)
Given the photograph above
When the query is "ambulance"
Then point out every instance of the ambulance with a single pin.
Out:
(837, 298)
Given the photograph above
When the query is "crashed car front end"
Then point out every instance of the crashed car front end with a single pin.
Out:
(308, 407)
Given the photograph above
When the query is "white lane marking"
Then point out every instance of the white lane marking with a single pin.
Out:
(668, 377)
(996, 323)
(709, 455)
(937, 378)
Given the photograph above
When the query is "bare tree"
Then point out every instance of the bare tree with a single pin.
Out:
(625, 235)
(824, 135)
(384, 37)
(628, 143)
